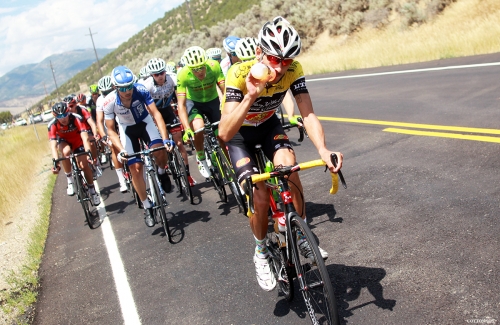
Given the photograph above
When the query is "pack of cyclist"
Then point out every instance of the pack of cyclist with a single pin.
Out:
(201, 85)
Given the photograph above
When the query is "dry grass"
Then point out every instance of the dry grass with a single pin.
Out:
(23, 157)
(467, 27)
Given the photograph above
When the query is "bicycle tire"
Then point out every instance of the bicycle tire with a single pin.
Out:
(174, 170)
(282, 270)
(232, 182)
(83, 197)
(216, 178)
(159, 207)
(110, 160)
(316, 287)
(182, 176)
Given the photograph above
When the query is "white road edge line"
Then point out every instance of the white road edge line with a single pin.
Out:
(127, 304)
(408, 71)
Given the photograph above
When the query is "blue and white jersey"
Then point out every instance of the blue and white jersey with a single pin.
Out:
(140, 100)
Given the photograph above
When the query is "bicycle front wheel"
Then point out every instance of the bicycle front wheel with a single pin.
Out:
(217, 178)
(159, 203)
(232, 181)
(83, 197)
(312, 275)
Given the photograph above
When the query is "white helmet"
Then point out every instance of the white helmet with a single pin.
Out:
(170, 69)
(214, 53)
(143, 73)
(194, 57)
(245, 48)
(280, 39)
(104, 83)
(156, 65)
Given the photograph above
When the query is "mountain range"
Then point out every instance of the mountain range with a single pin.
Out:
(33, 80)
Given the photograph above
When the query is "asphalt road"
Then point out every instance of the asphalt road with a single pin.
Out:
(413, 240)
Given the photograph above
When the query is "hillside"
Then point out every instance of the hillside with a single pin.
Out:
(33, 80)
(343, 21)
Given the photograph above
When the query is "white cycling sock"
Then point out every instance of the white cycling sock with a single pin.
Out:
(119, 173)
(69, 178)
(146, 204)
(161, 171)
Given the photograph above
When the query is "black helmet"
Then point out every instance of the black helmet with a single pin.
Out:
(60, 109)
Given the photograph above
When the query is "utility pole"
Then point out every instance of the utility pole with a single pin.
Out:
(96, 57)
(53, 75)
(189, 12)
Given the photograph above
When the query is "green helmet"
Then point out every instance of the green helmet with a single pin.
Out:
(94, 89)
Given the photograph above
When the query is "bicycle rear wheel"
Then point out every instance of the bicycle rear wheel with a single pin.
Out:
(313, 278)
(232, 181)
(159, 204)
(181, 175)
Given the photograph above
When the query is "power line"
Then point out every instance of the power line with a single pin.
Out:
(96, 57)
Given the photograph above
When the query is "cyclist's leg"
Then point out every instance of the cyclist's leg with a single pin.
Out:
(196, 123)
(152, 137)
(65, 150)
(279, 149)
(93, 147)
(130, 142)
(212, 110)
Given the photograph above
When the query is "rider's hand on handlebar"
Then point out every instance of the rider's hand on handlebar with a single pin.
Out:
(55, 170)
(326, 158)
(121, 155)
(169, 144)
(188, 134)
(293, 120)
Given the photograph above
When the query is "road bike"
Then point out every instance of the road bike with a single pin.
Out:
(287, 263)
(177, 167)
(220, 167)
(156, 194)
(81, 189)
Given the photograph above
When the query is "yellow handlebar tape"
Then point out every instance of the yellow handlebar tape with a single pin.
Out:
(335, 183)
(260, 177)
(311, 164)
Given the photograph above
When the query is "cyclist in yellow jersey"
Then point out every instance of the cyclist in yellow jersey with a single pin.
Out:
(197, 94)
(248, 118)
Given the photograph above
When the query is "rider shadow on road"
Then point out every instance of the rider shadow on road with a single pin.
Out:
(319, 209)
(178, 221)
(348, 282)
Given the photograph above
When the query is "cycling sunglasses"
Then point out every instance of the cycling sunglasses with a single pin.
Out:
(277, 60)
(198, 69)
(59, 116)
(125, 89)
(159, 74)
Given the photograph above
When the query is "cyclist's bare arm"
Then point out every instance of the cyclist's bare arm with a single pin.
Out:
(115, 139)
(182, 111)
(288, 104)
(233, 113)
(53, 148)
(315, 131)
(222, 87)
(86, 141)
(93, 127)
(99, 116)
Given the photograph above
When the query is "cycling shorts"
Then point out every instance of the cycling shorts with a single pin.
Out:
(210, 109)
(75, 145)
(241, 148)
(145, 130)
(169, 117)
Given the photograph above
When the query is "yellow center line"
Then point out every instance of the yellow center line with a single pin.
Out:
(445, 135)
(412, 125)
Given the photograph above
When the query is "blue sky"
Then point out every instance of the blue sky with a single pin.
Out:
(31, 30)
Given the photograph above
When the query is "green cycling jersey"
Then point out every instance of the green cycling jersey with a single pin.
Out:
(197, 90)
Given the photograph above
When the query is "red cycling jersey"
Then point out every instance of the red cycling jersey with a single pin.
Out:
(69, 133)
